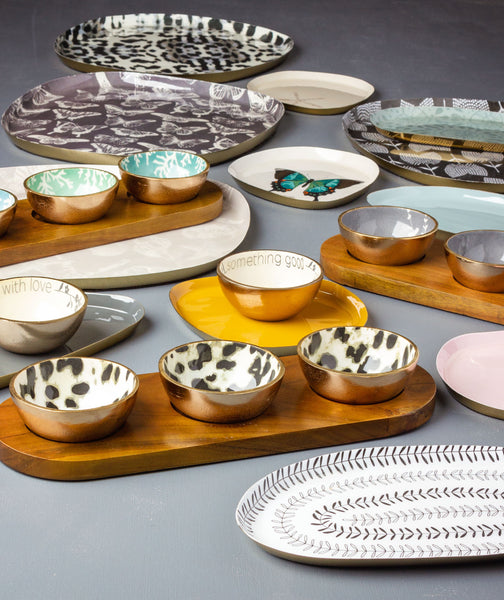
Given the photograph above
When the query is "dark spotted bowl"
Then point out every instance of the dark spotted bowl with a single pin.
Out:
(357, 365)
(221, 381)
(74, 399)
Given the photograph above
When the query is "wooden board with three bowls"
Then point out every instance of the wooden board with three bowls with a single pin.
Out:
(428, 281)
(157, 437)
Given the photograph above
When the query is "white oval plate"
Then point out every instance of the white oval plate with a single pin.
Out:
(168, 256)
(455, 209)
(312, 92)
(260, 173)
(380, 506)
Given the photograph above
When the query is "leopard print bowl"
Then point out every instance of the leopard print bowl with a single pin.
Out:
(74, 399)
(221, 381)
(357, 365)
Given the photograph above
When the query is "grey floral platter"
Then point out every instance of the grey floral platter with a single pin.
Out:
(381, 505)
(172, 44)
(427, 163)
(101, 117)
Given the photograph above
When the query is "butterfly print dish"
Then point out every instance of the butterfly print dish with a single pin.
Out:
(287, 180)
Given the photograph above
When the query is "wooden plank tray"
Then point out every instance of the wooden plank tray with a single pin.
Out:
(30, 237)
(428, 281)
(157, 437)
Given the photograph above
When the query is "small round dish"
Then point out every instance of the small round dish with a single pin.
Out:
(221, 381)
(164, 176)
(476, 259)
(8, 204)
(71, 195)
(387, 235)
(269, 285)
(74, 399)
(38, 314)
(357, 365)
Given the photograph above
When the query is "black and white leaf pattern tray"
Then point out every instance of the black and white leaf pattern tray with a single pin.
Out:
(434, 165)
(381, 505)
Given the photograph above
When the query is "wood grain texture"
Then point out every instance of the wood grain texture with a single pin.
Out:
(157, 437)
(428, 281)
(30, 237)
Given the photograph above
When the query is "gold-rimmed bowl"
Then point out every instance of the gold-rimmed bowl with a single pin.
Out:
(164, 176)
(387, 235)
(71, 195)
(38, 314)
(476, 259)
(357, 365)
(221, 381)
(74, 399)
(269, 285)
(8, 204)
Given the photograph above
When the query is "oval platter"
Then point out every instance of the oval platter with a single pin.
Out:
(172, 44)
(424, 163)
(100, 117)
(381, 505)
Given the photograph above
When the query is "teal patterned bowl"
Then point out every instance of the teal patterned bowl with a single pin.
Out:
(71, 195)
(8, 203)
(164, 176)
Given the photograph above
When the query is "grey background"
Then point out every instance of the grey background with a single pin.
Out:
(172, 534)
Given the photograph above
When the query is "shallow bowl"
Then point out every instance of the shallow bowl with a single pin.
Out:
(387, 235)
(476, 259)
(221, 381)
(71, 195)
(357, 365)
(74, 399)
(164, 176)
(8, 203)
(38, 314)
(269, 285)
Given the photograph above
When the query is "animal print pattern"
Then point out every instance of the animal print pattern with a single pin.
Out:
(358, 349)
(180, 45)
(75, 383)
(221, 366)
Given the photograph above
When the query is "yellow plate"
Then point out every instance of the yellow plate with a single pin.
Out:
(201, 303)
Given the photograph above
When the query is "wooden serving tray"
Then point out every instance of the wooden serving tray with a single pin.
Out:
(428, 281)
(29, 237)
(157, 437)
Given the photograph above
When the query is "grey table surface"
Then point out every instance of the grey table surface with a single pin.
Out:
(172, 534)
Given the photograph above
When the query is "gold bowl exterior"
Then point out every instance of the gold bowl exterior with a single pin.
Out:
(6, 216)
(163, 191)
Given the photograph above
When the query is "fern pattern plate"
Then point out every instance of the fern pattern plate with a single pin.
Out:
(395, 504)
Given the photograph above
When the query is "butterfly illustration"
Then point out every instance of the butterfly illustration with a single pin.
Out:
(286, 181)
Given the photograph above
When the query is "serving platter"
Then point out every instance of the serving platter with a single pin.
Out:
(172, 44)
(30, 236)
(109, 318)
(455, 209)
(428, 281)
(313, 92)
(381, 505)
(158, 258)
(450, 126)
(305, 176)
(157, 437)
(424, 163)
(100, 117)
(202, 304)
(471, 367)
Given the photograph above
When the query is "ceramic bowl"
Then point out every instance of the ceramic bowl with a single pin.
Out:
(357, 365)
(8, 203)
(269, 285)
(476, 259)
(387, 235)
(38, 314)
(74, 399)
(71, 195)
(164, 176)
(221, 381)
